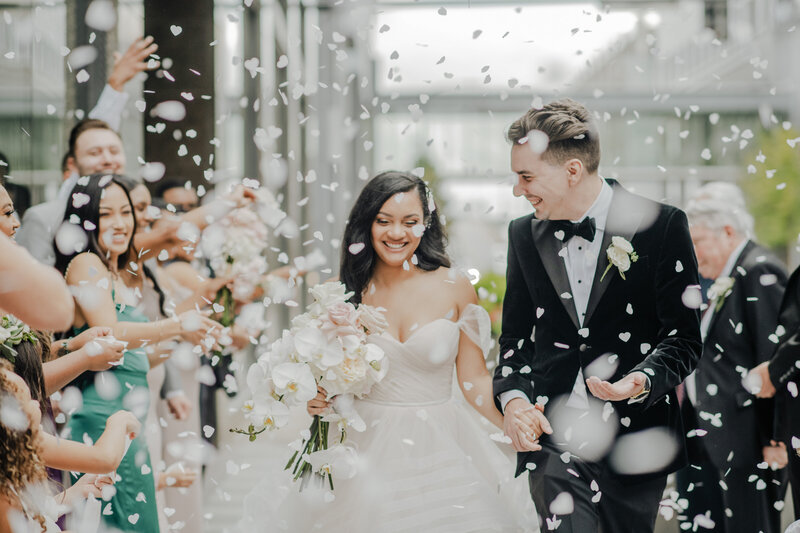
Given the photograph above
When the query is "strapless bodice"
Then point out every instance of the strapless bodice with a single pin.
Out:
(421, 368)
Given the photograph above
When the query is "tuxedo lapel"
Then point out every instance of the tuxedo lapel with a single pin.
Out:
(736, 275)
(624, 218)
(549, 247)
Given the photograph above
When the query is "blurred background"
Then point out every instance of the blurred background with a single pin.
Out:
(312, 97)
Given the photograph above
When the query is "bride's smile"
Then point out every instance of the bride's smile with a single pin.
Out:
(397, 229)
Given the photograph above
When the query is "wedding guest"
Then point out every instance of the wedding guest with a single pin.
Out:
(595, 270)
(94, 147)
(777, 378)
(182, 197)
(154, 304)
(27, 501)
(737, 429)
(102, 210)
(31, 291)
(20, 194)
(9, 223)
(25, 348)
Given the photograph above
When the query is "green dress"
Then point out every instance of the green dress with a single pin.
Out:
(133, 507)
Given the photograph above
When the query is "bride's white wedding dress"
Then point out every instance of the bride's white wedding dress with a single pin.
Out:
(425, 462)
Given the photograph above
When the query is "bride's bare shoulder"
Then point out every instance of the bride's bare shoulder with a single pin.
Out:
(455, 282)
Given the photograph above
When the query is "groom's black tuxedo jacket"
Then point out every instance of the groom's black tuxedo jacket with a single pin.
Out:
(738, 338)
(784, 367)
(641, 318)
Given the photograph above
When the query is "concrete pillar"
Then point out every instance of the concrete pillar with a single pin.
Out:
(184, 31)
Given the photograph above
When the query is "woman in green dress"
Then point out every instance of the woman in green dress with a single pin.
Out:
(93, 246)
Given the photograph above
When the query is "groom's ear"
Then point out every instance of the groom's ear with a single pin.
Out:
(574, 169)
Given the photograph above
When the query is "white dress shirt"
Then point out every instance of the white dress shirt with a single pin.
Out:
(691, 383)
(109, 107)
(580, 259)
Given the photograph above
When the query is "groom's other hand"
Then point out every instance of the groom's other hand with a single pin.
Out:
(523, 423)
(630, 386)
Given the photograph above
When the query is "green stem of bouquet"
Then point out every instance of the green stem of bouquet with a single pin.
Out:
(318, 440)
(224, 297)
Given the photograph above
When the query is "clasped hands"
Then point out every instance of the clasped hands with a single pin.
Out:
(525, 423)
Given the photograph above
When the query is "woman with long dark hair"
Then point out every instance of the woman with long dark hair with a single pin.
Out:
(94, 249)
(424, 462)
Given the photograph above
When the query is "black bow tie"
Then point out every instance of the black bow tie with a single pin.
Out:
(586, 228)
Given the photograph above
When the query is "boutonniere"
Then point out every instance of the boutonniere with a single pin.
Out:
(720, 290)
(620, 254)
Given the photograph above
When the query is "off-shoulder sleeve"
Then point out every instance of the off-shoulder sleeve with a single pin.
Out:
(475, 322)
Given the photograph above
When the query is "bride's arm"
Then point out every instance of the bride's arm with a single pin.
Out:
(473, 377)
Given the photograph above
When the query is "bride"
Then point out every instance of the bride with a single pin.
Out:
(425, 462)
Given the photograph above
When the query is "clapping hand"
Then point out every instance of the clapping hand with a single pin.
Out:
(179, 406)
(524, 423)
(87, 485)
(176, 476)
(104, 352)
(627, 387)
(78, 341)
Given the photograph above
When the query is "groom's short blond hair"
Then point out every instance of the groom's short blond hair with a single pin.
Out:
(570, 130)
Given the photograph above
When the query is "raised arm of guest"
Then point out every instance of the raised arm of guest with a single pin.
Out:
(100, 458)
(92, 350)
(112, 100)
(94, 289)
(34, 293)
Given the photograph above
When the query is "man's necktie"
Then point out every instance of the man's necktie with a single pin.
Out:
(586, 228)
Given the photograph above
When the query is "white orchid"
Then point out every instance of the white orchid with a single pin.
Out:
(339, 461)
(294, 382)
(269, 414)
(313, 347)
(327, 346)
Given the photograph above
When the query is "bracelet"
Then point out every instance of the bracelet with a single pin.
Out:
(62, 350)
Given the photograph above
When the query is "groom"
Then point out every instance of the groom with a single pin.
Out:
(600, 325)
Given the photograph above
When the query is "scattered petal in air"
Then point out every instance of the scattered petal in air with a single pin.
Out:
(101, 15)
(172, 110)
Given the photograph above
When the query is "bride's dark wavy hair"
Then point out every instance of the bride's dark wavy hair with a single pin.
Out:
(355, 270)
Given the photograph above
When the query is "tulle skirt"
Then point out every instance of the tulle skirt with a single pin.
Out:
(424, 467)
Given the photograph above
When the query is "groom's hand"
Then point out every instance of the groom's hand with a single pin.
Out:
(524, 424)
(628, 387)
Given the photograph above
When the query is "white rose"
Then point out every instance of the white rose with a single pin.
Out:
(327, 294)
(720, 287)
(619, 258)
(372, 319)
(622, 244)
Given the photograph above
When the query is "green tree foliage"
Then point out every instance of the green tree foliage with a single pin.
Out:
(773, 190)
(433, 181)
(491, 290)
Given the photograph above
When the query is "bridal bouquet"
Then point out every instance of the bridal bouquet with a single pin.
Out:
(325, 347)
(236, 246)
